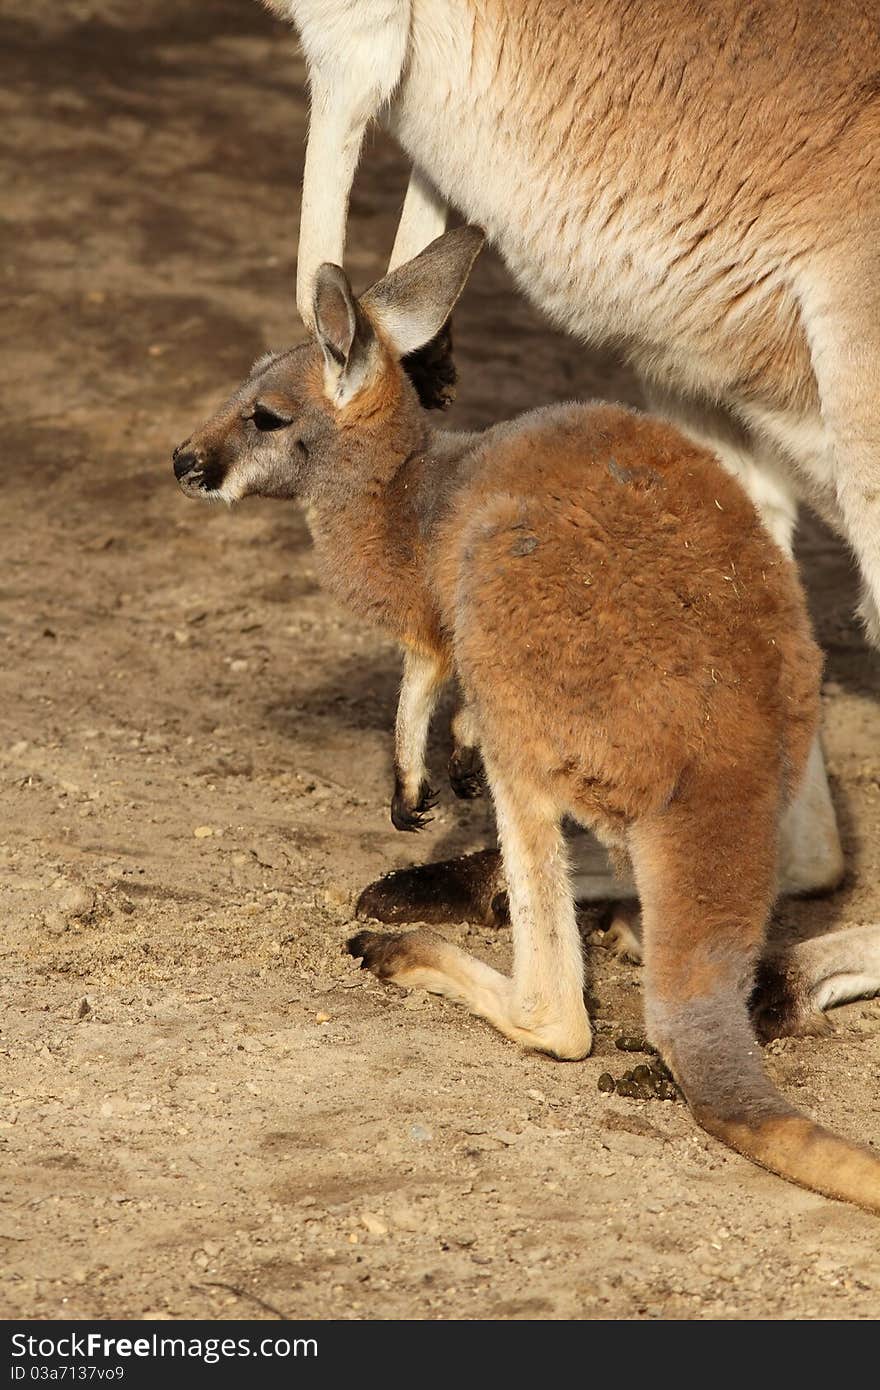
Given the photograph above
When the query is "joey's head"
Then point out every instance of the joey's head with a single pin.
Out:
(305, 417)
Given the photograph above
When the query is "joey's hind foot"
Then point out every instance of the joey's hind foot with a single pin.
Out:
(465, 773)
(468, 888)
(379, 952)
(412, 815)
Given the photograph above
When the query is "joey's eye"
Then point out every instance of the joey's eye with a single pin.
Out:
(265, 419)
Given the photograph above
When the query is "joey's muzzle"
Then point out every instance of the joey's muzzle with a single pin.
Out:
(185, 462)
(197, 473)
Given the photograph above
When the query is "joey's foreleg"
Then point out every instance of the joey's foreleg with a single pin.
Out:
(423, 678)
(465, 769)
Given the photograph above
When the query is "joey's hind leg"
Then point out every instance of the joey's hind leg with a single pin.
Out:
(541, 1005)
(810, 854)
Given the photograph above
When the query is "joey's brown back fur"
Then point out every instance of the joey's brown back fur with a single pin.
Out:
(631, 582)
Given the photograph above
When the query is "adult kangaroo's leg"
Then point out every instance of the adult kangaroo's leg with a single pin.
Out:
(841, 307)
(431, 368)
(422, 219)
(541, 1005)
(355, 54)
(705, 870)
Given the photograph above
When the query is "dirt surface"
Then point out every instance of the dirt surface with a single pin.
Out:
(206, 1109)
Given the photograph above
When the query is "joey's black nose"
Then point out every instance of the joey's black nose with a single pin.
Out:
(184, 463)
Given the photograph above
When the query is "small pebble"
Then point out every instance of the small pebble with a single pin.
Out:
(202, 832)
(77, 900)
(374, 1224)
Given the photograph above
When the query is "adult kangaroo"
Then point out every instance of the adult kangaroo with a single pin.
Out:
(697, 183)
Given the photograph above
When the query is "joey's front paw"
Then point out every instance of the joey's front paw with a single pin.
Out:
(465, 772)
(409, 815)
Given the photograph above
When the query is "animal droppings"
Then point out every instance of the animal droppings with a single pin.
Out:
(631, 1042)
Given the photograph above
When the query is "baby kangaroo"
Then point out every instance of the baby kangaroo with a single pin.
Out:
(633, 650)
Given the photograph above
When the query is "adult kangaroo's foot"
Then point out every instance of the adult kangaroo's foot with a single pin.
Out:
(795, 984)
(470, 887)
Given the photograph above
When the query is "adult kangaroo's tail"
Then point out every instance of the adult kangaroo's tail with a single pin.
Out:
(705, 870)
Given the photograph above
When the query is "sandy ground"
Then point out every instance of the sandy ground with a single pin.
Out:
(206, 1109)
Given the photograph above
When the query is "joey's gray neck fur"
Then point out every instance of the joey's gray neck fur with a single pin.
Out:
(372, 512)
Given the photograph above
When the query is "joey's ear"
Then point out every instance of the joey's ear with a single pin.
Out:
(411, 305)
(343, 331)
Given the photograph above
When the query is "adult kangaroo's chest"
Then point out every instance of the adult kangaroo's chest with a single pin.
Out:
(638, 195)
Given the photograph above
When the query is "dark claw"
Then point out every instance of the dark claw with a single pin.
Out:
(466, 773)
(406, 817)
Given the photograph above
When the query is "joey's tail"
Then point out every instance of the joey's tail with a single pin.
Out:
(705, 869)
(716, 1060)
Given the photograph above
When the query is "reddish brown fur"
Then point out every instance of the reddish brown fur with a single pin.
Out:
(635, 652)
(662, 626)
